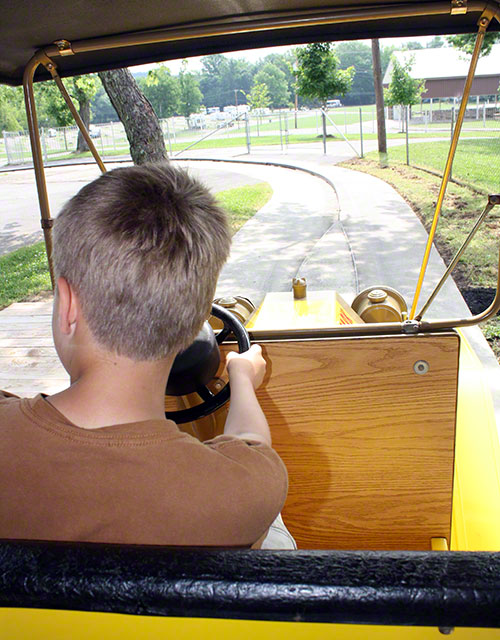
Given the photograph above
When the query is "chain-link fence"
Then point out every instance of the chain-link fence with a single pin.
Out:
(59, 143)
(280, 129)
(231, 128)
(430, 132)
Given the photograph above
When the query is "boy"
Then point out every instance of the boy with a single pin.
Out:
(137, 254)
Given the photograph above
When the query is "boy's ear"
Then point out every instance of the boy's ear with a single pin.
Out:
(67, 306)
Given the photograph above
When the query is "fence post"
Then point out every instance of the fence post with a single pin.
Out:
(361, 130)
(407, 108)
(168, 137)
(323, 118)
(6, 145)
(281, 132)
(285, 117)
(247, 131)
(44, 145)
(484, 115)
(345, 122)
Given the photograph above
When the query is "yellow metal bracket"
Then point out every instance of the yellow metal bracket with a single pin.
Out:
(65, 48)
(458, 7)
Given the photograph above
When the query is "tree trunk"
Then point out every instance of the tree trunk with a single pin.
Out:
(379, 96)
(137, 115)
(84, 112)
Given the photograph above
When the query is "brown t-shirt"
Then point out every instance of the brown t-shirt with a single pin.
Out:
(143, 483)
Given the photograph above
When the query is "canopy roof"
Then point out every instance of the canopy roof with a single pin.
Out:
(201, 27)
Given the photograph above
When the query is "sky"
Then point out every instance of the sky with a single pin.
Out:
(253, 55)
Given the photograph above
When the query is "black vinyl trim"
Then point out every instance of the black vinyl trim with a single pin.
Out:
(444, 589)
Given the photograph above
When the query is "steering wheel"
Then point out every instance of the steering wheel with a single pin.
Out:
(194, 367)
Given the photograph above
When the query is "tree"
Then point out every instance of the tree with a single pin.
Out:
(221, 76)
(83, 89)
(276, 83)
(162, 90)
(101, 109)
(190, 94)
(285, 62)
(436, 43)
(412, 45)
(466, 42)
(386, 54)
(403, 89)
(137, 115)
(55, 111)
(51, 107)
(12, 116)
(317, 73)
(213, 69)
(258, 98)
(357, 55)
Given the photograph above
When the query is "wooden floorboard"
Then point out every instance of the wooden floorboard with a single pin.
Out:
(28, 359)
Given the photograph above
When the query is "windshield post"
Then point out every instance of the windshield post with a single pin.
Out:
(483, 23)
(36, 150)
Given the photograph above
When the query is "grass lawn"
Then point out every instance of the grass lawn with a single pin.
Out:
(476, 160)
(25, 272)
(477, 270)
(468, 124)
(241, 203)
(240, 141)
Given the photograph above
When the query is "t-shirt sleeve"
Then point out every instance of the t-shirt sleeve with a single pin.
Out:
(261, 481)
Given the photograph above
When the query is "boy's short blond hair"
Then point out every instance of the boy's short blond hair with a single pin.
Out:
(142, 246)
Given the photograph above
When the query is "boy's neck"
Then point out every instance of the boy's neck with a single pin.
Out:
(114, 390)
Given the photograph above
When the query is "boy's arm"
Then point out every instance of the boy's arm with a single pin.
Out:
(245, 418)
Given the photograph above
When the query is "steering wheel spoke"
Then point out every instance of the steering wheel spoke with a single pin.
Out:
(213, 401)
(222, 335)
(205, 393)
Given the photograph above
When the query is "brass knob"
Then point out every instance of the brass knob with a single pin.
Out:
(228, 302)
(299, 288)
(377, 296)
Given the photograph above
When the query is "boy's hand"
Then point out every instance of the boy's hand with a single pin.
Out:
(250, 364)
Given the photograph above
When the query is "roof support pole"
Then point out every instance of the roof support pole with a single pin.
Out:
(483, 23)
(36, 151)
(52, 68)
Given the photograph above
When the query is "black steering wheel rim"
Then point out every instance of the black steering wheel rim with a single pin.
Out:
(212, 402)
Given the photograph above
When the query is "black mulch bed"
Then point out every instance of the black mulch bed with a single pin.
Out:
(478, 298)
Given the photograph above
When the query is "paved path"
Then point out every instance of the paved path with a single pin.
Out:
(19, 212)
